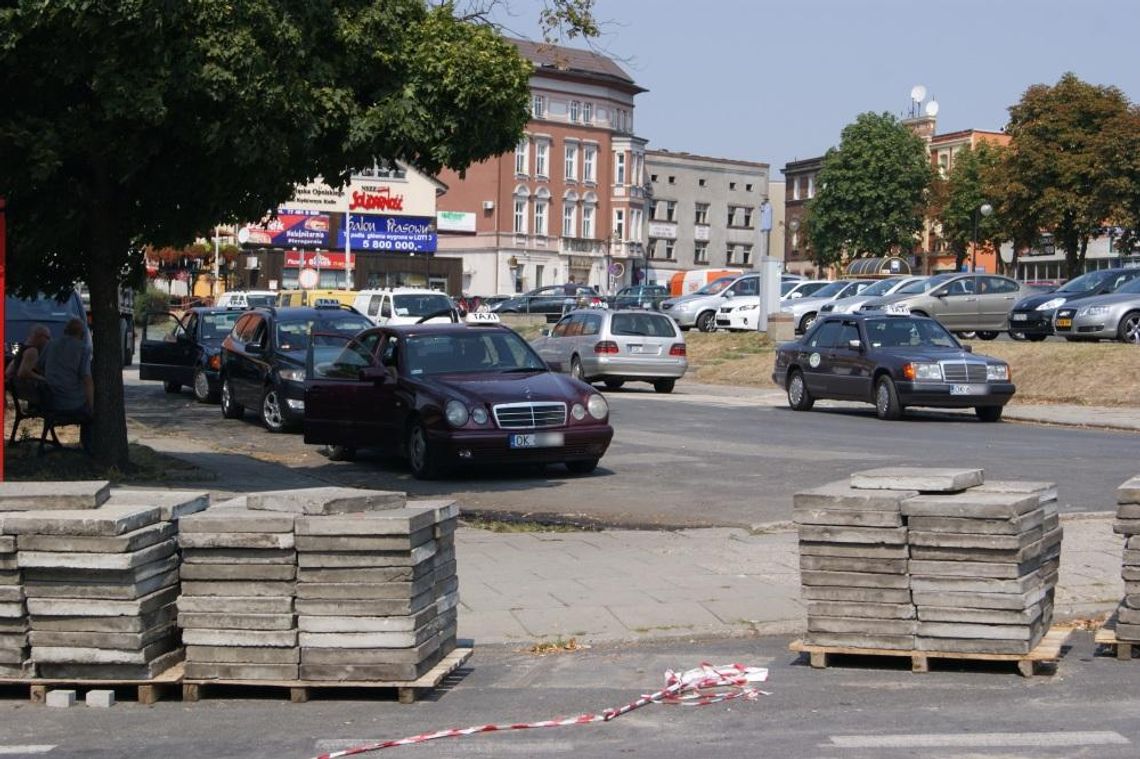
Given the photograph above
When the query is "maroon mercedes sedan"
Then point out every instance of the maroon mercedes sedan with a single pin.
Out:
(451, 395)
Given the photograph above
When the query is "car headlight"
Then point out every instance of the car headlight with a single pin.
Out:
(598, 407)
(456, 413)
(1050, 304)
(923, 372)
(479, 415)
(578, 411)
(747, 308)
(1093, 311)
(292, 375)
(997, 372)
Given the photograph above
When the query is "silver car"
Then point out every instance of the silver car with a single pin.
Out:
(852, 303)
(794, 289)
(804, 310)
(699, 309)
(965, 302)
(1115, 316)
(616, 347)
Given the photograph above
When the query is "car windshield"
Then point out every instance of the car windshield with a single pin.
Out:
(260, 301)
(881, 287)
(217, 326)
(714, 287)
(39, 309)
(293, 334)
(642, 324)
(420, 304)
(786, 287)
(469, 351)
(830, 290)
(905, 332)
(1090, 281)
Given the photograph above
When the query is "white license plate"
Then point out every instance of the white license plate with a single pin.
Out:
(968, 389)
(537, 440)
(1021, 317)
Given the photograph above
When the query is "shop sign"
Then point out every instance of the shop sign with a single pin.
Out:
(312, 259)
(405, 234)
(662, 231)
(291, 228)
(380, 199)
(455, 221)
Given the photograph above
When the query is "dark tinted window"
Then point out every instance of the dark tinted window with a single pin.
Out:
(562, 327)
(847, 333)
(592, 324)
(217, 326)
(993, 285)
(472, 350)
(826, 335)
(901, 332)
(650, 325)
(357, 354)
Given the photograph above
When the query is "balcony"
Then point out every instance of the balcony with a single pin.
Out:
(582, 246)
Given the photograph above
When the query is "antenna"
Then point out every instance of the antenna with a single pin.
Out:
(917, 94)
(932, 108)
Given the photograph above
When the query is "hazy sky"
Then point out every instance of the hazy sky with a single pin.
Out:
(776, 81)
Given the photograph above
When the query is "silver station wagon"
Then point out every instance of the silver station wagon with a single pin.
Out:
(616, 347)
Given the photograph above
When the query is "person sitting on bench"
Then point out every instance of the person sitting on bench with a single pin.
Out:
(67, 372)
(23, 373)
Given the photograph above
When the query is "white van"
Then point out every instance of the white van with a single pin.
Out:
(404, 305)
(246, 299)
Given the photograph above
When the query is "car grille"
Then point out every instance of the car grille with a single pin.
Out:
(525, 416)
(666, 306)
(828, 308)
(871, 307)
(963, 371)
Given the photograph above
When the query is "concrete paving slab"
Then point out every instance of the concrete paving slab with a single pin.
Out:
(922, 479)
(125, 543)
(221, 518)
(326, 500)
(107, 521)
(43, 496)
(174, 504)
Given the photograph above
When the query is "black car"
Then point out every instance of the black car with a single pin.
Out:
(553, 299)
(186, 351)
(892, 361)
(450, 395)
(1033, 316)
(263, 359)
(640, 296)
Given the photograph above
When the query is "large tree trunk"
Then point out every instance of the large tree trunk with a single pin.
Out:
(110, 426)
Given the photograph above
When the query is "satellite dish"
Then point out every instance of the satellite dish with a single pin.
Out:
(917, 93)
(932, 108)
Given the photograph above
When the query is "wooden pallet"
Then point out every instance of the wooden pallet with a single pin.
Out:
(1106, 636)
(406, 690)
(1049, 650)
(147, 691)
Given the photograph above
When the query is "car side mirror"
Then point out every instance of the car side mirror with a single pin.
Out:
(547, 332)
(939, 293)
(968, 348)
(376, 374)
(855, 345)
(729, 294)
(793, 296)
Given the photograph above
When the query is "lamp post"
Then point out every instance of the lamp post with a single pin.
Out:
(985, 209)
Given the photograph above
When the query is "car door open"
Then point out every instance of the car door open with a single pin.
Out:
(167, 351)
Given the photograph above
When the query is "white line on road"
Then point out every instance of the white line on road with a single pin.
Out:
(964, 740)
(18, 750)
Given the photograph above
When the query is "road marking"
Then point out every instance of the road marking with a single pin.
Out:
(959, 740)
(31, 749)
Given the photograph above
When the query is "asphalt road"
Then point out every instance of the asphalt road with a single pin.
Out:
(702, 456)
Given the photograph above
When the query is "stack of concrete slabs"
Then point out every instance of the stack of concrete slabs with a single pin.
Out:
(1128, 524)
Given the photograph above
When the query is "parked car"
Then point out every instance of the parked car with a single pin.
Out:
(553, 299)
(617, 347)
(1115, 316)
(186, 350)
(805, 310)
(1033, 316)
(851, 303)
(892, 361)
(640, 296)
(20, 314)
(793, 289)
(405, 305)
(963, 302)
(450, 395)
(246, 299)
(699, 309)
(264, 357)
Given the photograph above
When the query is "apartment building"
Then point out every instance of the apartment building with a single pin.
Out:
(569, 200)
(799, 188)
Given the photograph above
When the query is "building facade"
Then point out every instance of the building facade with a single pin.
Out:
(704, 212)
(799, 188)
(569, 201)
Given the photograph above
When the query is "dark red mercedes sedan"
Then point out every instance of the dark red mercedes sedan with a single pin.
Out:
(451, 395)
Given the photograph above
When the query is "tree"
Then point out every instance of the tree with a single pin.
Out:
(966, 191)
(178, 116)
(871, 191)
(1059, 136)
(1121, 146)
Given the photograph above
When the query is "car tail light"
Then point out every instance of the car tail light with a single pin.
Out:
(678, 349)
(606, 346)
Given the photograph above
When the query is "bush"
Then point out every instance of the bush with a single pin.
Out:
(152, 299)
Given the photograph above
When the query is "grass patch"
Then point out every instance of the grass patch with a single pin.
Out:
(511, 525)
(147, 466)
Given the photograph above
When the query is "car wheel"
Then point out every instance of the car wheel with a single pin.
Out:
(806, 322)
(422, 457)
(231, 409)
(202, 392)
(987, 335)
(887, 404)
(340, 453)
(1129, 328)
(582, 467)
(799, 397)
(706, 322)
(576, 369)
(172, 387)
(967, 335)
(664, 385)
(989, 413)
(272, 415)
(614, 384)
(1036, 338)
(1019, 336)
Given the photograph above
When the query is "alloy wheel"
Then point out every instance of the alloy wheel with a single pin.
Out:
(271, 410)
(1130, 329)
(201, 386)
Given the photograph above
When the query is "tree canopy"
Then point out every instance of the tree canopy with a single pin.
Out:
(871, 191)
(967, 189)
(137, 122)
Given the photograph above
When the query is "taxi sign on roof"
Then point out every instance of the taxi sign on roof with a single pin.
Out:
(897, 309)
(326, 303)
(482, 317)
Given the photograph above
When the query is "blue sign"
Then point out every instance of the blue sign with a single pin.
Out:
(404, 234)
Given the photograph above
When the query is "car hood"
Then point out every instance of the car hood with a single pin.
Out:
(800, 305)
(1111, 299)
(494, 388)
(687, 299)
(1036, 299)
(932, 354)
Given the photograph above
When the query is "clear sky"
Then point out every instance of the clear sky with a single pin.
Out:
(775, 81)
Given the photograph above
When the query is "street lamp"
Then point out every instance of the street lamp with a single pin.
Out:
(985, 209)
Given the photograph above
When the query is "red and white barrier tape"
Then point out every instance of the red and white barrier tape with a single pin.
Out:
(704, 685)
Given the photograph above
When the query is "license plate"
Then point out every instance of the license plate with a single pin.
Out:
(536, 440)
(968, 389)
(637, 349)
(1021, 317)
(1064, 323)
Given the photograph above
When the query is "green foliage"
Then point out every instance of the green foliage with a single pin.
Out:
(870, 192)
(567, 19)
(151, 299)
(966, 191)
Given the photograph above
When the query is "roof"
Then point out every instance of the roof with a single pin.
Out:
(550, 57)
(663, 153)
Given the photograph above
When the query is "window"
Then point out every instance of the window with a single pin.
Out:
(702, 216)
(587, 113)
(569, 217)
(520, 216)
(747, 217)
(732, 216)
(746, 255)
(588, 221)
(732, 185)
(589, 158)
(701, 253)
(668, 250)
(540, 217)
(748, 188)
(635, 225)
(619, 224)
(795, 188)
(619, 168)
(672, 180)
(702, 182)
(541, 150)
(805, 182)
(538, 107)
(521, 157)
(572, 162)
(652, 177)
(811, 186)
(575, 107)
(826, 335)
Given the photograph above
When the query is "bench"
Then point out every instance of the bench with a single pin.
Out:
(36, 408)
